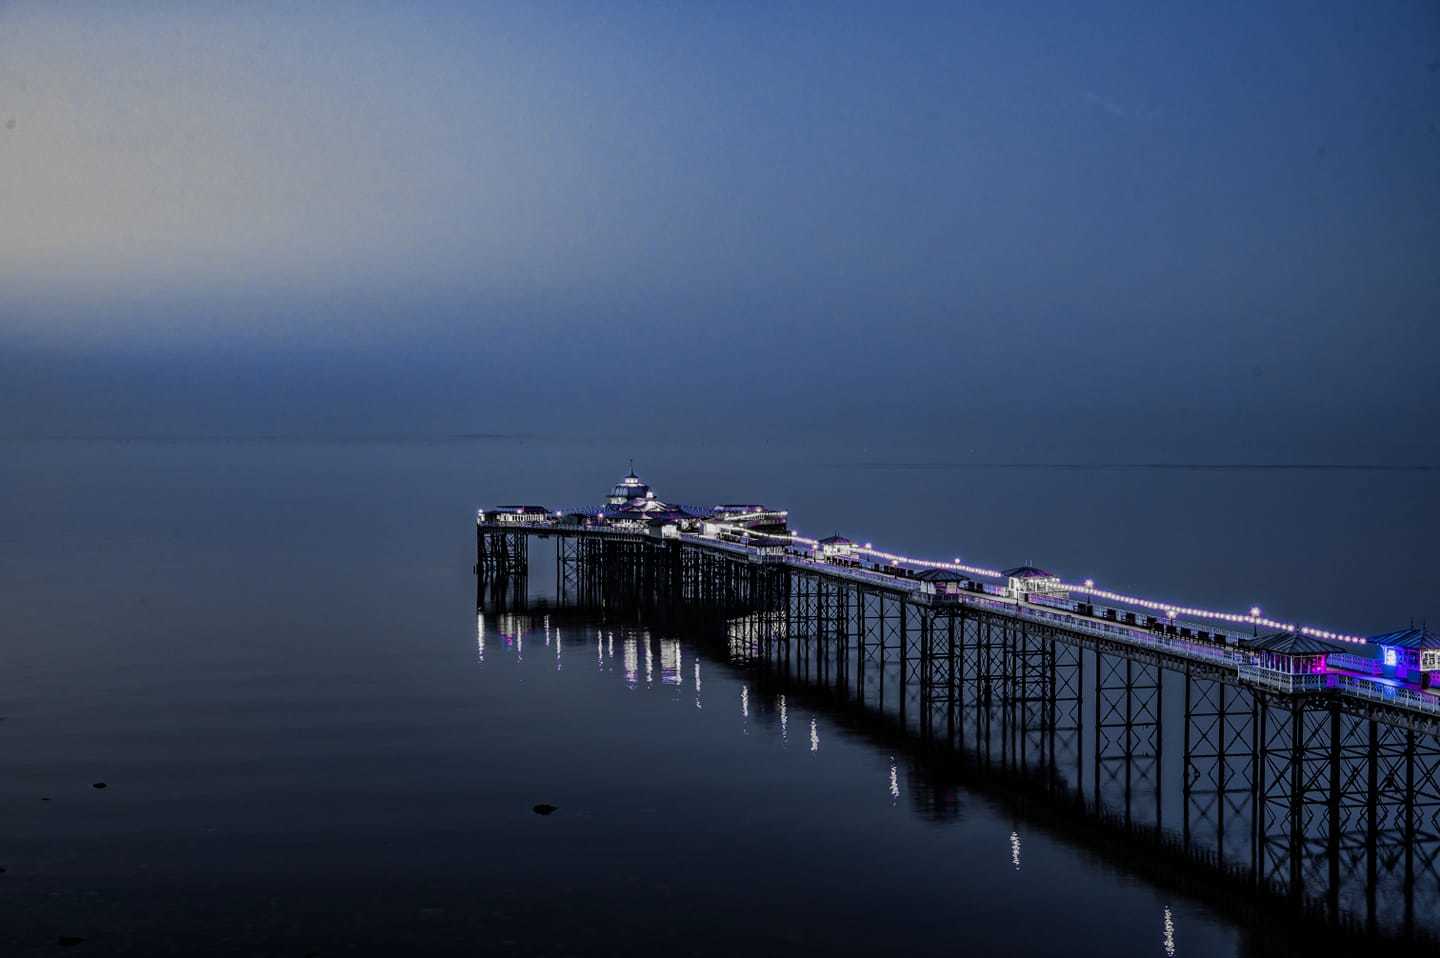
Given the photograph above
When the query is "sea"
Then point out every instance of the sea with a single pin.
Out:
(268, 652)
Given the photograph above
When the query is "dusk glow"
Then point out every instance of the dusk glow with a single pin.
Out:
(261, 216)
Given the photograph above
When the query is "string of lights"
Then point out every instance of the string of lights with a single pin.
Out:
(1172, 610)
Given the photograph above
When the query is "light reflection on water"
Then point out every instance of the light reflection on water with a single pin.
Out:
(671, 662)
(632, 662)
(638, 652)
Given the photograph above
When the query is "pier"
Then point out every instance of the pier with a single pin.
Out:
(1289, 761)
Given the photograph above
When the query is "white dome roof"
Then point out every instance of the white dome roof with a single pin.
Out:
(631, 487)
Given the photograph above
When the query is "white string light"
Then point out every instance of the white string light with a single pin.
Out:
(1088, 588)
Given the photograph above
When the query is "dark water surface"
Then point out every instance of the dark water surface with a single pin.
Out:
(268, 651)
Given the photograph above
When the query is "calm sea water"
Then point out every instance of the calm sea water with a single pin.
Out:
(269, 652)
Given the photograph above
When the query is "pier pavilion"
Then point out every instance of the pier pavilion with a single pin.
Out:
(1412, 653)
(1289, 653)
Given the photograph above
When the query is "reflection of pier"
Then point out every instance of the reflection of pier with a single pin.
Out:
(1322, 801)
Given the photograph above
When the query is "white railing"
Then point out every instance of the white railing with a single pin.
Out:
(1352, 685)
(1387, 694)
(1124, 633)
(546, 527)
(720, 545)
(1288, 682)
(1354, 663)
(851, 572)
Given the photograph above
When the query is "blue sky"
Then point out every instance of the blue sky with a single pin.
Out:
(1211, 229)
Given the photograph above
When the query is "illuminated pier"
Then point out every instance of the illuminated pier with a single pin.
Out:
(1303, 760)
(665, 542)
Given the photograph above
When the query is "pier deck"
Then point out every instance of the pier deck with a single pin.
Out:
(1363, 688)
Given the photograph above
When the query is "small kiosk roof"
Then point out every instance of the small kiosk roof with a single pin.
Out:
(1292, 643)
(1027, 572)
(1411, 638)
(941, 575)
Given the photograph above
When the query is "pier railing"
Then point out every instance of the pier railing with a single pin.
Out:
(1121, 633)
(1388, 694)
(1286, 681)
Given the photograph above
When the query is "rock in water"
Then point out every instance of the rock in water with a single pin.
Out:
(99, 785)
(545, 809)
(67, 941)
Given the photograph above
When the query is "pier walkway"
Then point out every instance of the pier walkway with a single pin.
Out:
(1167, 638)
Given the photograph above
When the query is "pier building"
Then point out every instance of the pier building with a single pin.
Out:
(1027, 580)
(1409, 654)
(837, 549)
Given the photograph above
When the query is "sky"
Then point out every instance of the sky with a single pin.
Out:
(1117, 230)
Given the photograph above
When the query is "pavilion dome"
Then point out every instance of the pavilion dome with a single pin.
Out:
(631, 487)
